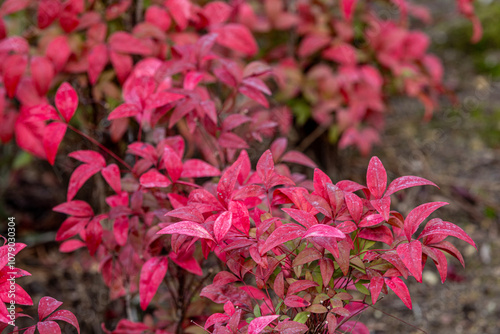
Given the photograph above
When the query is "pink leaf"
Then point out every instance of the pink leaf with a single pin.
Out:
(48, 11)
(322, 230)
(66, 101)
(124, 110)
(122, 64)
(300, 285)
(42, 72)
(152, 274)
(398, 286)
(354, 205)
(52, 137)
(46, 306)
(199, 168)
(298, 158)
(88, 156)
(124, 42)
(376, 285)
(59, 51)
(13, 69)
(371, 220)
(354, 327)
(75, 208)
(97, 60)
(15, 44)
(192, 79)
(348, 7)
(65, 316)
(406, 182)
(305, 218)
(254, 94)
(80, 175)
(180, 10)
(313, 43)
(187, 228)
(70, 246)
(48, 327)
(222, 225)
(376, 177)
(93, 235)
(380, 233)
(13, 6)
(173, 163)
(154, 179)
(443, 228)
(227, 183)
(161, 98)
(281, 235)
(111, 174)
(237, 37)
(71, 227)
(257, 325)
(158, 16)
(296, 301)
(418, 215)
(231, 140)
(411, 255)
(120, 230)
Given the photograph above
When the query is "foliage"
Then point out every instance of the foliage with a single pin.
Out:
(178, 92)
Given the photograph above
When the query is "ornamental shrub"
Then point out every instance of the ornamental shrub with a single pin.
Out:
(173, 100)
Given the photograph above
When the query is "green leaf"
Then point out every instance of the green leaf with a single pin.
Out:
(361, 288)
(256, 311)
(302, 317)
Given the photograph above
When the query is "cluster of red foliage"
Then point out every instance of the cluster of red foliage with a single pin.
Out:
(195, 87)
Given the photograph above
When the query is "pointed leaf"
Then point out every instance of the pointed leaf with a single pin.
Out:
(296, 301)
(398, 286)
(111, 174)
(42, 72)
(124, 110)
(237, 37)
(301, 285)
(411, 255)
(446, 228)
(80, 175)
(52, 137)
(407, 182)
(66, 101)
(75, 208)
(258, 324)
(66, 316)
(376, 285)
(281, 235)
(354, 205)
(187, 228)
(376, 177)
(152, 274)
(97, 60)
(322, 230)
(48, 327)
(298, 158)
(154, 179)
(306, 219)
(418, 215)
(222, 225)
(46, 306)
(199, 168)
(225, 187)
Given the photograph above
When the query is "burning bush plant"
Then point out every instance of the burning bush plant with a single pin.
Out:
(173, 99)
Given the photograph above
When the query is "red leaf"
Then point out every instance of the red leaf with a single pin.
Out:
(383, 206)
(381, 233)
(230, 140)
(154, 179)
(88, 156)
(241, 218)
(188, 263)
(376, 177)
(124, 110)
(371, 220)
(66, 316)
(12, 6)
(322, 230)
(111, 174)
(180, 11)
(313, 43)
(254, 94)
(15, 44)
(93, 234)
(152, 274)
(398, 286)
(327, 268)
(161, 98)
(71, 227)
(298, 158)
(222, 225)
(411, 255)
(46, 306)
(227, 182)
(66, 101)
(348, 7)
(281, 235)
(418, 215)
(48, 11)
(80, 175)
(376, 285)
(124, 42)
(223, 278)
(70, 246)
(173, 163)
(59, 51)
(449, 248)
(42, 72)
(303, 217)
(257, 325)
(75, 208)
(158, 16)
(52, 137)
(354, 327)
(192, 79)
(122, 64)
(279, 285)
(237, 37)
(120, 230)
(439, 227)
(187, 228)
(48, 327)
(199, 168)
(97, 59)
(13, 69)
(117, 9)
(354, 205)
(296, 301)
(407, 182)
(265, 167)
(301, 285)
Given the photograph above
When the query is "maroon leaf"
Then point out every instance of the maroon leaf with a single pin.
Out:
(411, 255)
(376, 177)
(66, 316)
(326, 267)
(93, 235)
(154, 179)
(407, 182)
(187, 228)
(152, 274)
(322, 230)
(124, 110)
(52, 137)
(291, 327)
(237, 37)
(222, 225)
(296, 301)
(48, 11)
(97, 60)
(281, 235)
(418, 215)
(223, 278)
(257, 325)
(398, 286)
(75, 208)
(279, 285)
(380, 233)
(66, 101)
(46, 306)
(80, 175)
(301, 285)
(439, 227)
(449, 248)
(111, 174)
